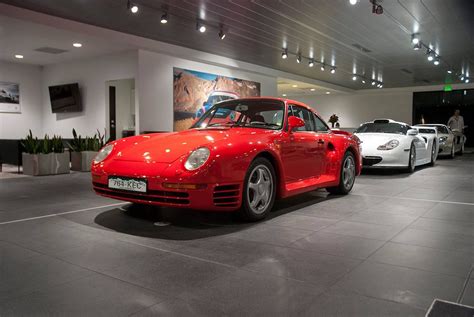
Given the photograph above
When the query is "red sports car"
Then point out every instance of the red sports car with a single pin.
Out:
(241, 155)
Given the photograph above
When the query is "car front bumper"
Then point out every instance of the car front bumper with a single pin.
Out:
(392, 158)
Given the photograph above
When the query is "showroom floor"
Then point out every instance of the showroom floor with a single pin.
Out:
(388, 249)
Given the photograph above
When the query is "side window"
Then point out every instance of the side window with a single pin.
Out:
(307, 117)
(320, 125)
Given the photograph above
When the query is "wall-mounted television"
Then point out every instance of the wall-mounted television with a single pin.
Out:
(65, 98)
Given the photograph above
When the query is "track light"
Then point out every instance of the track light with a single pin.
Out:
(430, 54)
(200, 27)
(415, 38)
(333, 70)
(417, 46)
(311, 63)
(354, 77)
(164, 18)
(221, 34)
(373, 83)
(436, 61)
(284, 54)
(449, 71)
(298, 58)
(363, 80)
(467, 80)
(323, 68)
(132, 7)
(462, 77)
(380, 85)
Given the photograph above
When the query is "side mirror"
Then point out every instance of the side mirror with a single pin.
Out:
(412, 132)
(295, 122)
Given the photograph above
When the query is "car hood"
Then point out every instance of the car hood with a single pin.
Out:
(376, 139)
(168, 147)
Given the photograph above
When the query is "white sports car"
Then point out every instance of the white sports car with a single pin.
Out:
(450, 142)
(387, 143)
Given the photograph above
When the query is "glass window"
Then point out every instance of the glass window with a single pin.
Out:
(383, 127)
(320, 125)
(307, 117)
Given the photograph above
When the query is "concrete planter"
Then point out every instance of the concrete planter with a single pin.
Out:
(82, 161)
(45, 164)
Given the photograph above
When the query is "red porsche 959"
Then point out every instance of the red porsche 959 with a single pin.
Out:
(240, 155)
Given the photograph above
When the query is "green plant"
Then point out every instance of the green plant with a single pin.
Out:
(46, 145)
(57, 144)
(31, 145)
(79, 144)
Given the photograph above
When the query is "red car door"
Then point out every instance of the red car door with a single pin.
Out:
(302, 149)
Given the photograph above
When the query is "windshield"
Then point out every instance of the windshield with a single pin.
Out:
(212, 100)
(265, 114)
(383, 127)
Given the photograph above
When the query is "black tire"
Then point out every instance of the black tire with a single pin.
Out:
(434, 154)
(411, 159)
(260, 168)
(345, 185)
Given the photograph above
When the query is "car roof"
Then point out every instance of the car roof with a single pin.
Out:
(286, 101)
(387, 121)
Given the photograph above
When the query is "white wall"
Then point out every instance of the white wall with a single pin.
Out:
(155, 86)
(92, 75)
(16, 125)
(366, 105)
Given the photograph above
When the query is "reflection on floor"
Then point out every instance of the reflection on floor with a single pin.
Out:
(390, 248)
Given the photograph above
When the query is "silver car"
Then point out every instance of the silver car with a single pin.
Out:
(450, 141)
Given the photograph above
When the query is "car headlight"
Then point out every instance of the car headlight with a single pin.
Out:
(197, 158)
(443, 139)
(103, 153)
(390, 145)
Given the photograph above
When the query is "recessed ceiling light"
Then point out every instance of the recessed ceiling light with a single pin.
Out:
(77, 44)
(164, 18)
(353, 2)
(313, 89)
(19, 56)
(284, 95)
(328, 92)
(294, 86)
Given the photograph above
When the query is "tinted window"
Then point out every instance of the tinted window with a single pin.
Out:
(307, 117)
(383, 127)
(320, 125)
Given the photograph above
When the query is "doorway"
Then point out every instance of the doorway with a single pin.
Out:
(120, 99)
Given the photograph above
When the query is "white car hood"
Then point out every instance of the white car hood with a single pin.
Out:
(373, 140)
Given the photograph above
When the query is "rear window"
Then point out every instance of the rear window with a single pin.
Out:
(383, 127)
(426, 131)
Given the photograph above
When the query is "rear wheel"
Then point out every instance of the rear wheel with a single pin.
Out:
(259, 190)
(411, 159)
(434, 153)
(347, 176)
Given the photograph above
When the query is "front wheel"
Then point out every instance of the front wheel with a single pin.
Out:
(453, 152)
(434, 154)
(411, 159)
(347, 176)
(259, 190)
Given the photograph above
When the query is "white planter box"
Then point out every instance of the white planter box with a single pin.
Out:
(45, 164)
(82, 161)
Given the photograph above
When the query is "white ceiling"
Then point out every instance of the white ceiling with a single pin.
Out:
(288, 88)
(21, 37)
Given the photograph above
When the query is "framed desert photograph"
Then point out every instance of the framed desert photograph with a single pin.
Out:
(9, 97)
(196, 92)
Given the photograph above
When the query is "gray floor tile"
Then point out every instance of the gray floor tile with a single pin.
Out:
(96, 295)
(276, 235)
(338, 244)
(294, 220)
(382, 218)
(404, 285)
(437, 240)
(439, 261)
(248, 293)
(364, 230)
(319, 269)
(179, 307)
(407, 207)
(327, 212)
(344, 304)
(442, 226)
(170, 275)
(452, 212)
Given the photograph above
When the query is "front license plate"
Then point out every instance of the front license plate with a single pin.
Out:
(130, 184)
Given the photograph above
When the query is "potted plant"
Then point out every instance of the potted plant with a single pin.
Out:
(333, 120)
(83, 150)
(44, 157)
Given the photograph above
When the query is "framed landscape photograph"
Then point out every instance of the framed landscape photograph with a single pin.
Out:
(9, 97)
(196, 92)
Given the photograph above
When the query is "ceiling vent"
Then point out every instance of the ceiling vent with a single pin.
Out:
(50, 50)
(406, 71)
(361, 48)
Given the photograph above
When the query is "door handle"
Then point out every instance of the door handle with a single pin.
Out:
(320, 141)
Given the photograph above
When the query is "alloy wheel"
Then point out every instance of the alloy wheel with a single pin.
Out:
(260, 189)
(348, 172)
